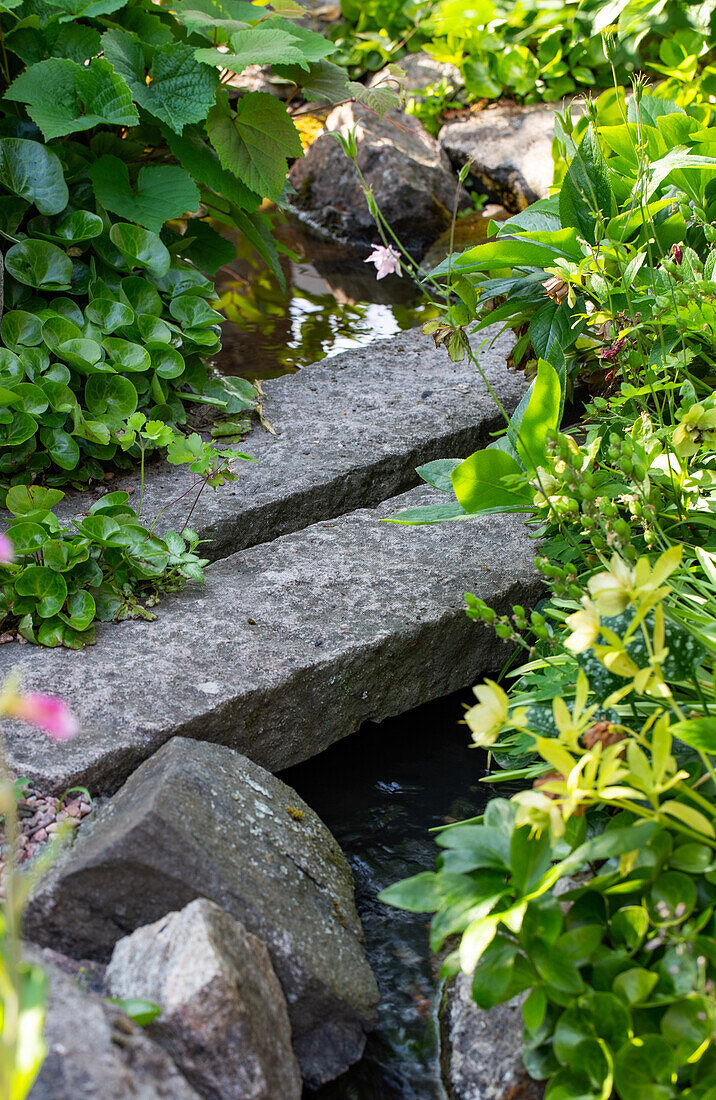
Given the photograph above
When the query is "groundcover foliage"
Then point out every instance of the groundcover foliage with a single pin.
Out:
(610, 724)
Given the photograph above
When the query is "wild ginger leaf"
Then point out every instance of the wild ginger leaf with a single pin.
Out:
(63, 97)
(180, 89)
(255, 142)
(34, 173)
(162, 192)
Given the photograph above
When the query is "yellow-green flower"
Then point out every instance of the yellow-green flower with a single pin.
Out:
(585, 625)
(489, 715)
(611, 591)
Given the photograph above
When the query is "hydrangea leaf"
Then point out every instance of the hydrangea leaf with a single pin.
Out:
(255, 141)
(162, 192)
(63, 97)
(180, 89)
(85, 9)
(256, 46)
(197, 156)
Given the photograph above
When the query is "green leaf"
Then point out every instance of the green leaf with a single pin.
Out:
(34, 173)
(437, 473)
(85, 9)
(180, 90)
(39, 264)
(586, 191)
(634, 985)
(109, 314)
(194, 154)
(256, 46)
(48, 588)
(23, 499)
(429, 513)
(699, 733)
(141, 1012)
(534, 420)
(522, 251)
(27, 538)
(162, 192)
(21, 329)
(73, 227)
(420, 894)
(255, 141)
(80, 610)
(141, 248)
(598, 1016)
(63, 97)
(110, 397)
(644, 1069)
(127, 356)
(478, 482)
(61, 447)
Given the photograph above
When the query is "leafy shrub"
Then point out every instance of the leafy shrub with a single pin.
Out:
(533, 50)
(107, 294)
(110, 567)
(611, 717)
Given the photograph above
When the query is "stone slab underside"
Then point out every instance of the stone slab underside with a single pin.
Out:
(286, 648)
(349, 433)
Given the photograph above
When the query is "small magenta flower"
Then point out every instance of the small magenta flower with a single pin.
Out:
(7, 550)
(677, 253)
(47, 712)
(386, 260)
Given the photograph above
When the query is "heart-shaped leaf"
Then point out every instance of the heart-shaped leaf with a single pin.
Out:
(161, 192)
(33, 172)
(39, 264)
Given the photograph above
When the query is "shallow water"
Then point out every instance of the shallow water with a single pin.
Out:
(380, 792)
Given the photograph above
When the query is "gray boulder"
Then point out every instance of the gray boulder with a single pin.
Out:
(421, 70)
(408, 172)
(510, 149)
(200, 820)
(94, 1050)
(224, 1019)
(481, 1052)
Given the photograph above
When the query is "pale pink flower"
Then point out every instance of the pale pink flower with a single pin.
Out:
(7, 550)
(386, 260)
(47, 712)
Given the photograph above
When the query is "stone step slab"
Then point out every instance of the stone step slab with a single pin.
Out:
(286, 647)
(349, 433)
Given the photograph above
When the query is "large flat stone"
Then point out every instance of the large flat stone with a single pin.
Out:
(286, 648)
(350, 432)
(199, 820)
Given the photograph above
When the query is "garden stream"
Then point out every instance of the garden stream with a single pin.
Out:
(382, 790)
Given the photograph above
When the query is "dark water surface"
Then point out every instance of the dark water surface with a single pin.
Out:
(379, 792)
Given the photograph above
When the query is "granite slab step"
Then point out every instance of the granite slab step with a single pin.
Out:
(286, 648)
(350, 431)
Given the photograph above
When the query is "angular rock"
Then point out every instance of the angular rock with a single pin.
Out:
(350, 432)
(285, 648)
(481, 1052)
(510, 149)
(421, 70)
(224, 1019)
(200, 820)
(94, 1051)
(407, 171)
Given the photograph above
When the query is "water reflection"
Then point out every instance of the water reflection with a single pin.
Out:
(332, 302)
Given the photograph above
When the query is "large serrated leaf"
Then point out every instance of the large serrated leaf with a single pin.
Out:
(255, 141)
(70, 40)
(162, 192)
(85, 9)
(63, 97)
(34, 173)
(178, 89)
(256, 46)
(197, 156)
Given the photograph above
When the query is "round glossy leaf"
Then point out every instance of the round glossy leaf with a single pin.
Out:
(571, 1085)
(125, 355)
(39, 264)
(20, 428)
(23, 499)
(33, 400)
(32, 171)
(691, 857)
(645, 1069)
(671, 898)
(166, 360)
(47, 587)
(101, 529)
(10, 365)
(80, 610)
(58, 372)
(153, 329)
(111, 504)
(70, 228)
(630, 925)
(84, 355)
(67, 307)
(21, 329)
(109, 314)
(183, 279)
(27, 538)
(61, 447)
(111, 397)
(140, 248)
(60, 396)
(687, 1025)
(142, 296)
(57, 329)
(634, 986)
(51, 632)
(62, 556)
(598, 1016)
(194, 312)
